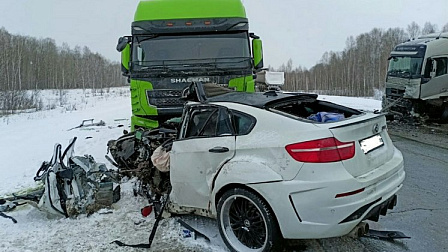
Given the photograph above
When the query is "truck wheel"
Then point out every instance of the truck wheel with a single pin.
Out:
(444, 117)
(246, 223)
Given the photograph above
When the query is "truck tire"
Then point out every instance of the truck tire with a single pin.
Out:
(246, 223)
(444, 117)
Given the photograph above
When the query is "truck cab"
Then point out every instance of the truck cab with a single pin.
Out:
(176, 42)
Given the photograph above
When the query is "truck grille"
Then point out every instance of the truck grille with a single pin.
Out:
(394, 92)
(165, 98)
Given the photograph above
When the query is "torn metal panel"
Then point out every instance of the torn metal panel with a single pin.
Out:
(200, 163)
(436, 88)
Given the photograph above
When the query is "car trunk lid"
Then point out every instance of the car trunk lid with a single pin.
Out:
(373, 146)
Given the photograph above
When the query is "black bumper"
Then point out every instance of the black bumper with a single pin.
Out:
(374, 213)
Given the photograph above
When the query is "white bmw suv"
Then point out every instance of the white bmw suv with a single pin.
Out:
(267, 169)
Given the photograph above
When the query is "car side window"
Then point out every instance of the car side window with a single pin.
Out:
(208, 122)
(210, 125)
(198, 120)
(243, 123)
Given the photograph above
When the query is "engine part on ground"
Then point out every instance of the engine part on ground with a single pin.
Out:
(78, 186)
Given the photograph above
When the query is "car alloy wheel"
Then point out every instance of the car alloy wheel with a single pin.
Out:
(245, 222)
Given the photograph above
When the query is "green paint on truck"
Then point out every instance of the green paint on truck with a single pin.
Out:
(187, 9)
(176, 42)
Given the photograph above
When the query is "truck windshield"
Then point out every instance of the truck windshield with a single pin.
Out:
(405, 67)
(191, 51)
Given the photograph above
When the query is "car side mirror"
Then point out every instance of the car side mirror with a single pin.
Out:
(257, 52)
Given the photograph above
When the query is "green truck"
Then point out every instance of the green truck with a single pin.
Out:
(177, 42)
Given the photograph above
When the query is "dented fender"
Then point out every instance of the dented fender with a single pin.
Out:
(244, 172)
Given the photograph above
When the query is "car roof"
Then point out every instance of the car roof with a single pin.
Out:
(259, 99)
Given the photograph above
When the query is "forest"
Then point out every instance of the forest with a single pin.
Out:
(29, 64)
(360, 69)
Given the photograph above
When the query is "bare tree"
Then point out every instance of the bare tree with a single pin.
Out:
(445, 28)
(359, 70)
(28, 63)
(413, 30)
(429, 28)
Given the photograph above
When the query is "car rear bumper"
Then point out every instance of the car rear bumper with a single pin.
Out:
(307, 209)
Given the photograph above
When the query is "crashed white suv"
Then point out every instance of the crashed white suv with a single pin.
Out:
(266, 171)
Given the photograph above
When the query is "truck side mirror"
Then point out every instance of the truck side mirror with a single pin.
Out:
(257, 52)
(125, 58)
(124, 47)
(122, 42)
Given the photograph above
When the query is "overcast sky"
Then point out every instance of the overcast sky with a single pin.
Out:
(297, 29)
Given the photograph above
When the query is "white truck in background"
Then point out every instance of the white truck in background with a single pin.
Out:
(417, 78)
(267, 80)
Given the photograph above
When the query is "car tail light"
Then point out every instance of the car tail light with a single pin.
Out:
(321, 151)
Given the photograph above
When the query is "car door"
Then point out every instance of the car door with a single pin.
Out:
(205, 143)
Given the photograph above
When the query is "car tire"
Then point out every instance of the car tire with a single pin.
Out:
(246, 223)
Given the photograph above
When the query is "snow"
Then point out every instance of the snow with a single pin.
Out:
(27, 139)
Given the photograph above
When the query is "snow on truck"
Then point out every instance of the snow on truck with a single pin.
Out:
(176, 42)
(417, 77)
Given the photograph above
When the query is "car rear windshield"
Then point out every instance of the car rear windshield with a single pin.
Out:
(307, 108)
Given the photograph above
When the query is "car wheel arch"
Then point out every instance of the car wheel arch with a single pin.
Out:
(223, 181)
(233, 186)
(225, 193)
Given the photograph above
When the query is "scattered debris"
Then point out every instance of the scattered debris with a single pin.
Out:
(6, 205)
(8, 217)
(84, 124)
(132, 154)
(204, 227)
(160, 208)
(78, 186)
(192, 232)
(386, 235)
(147, 210)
